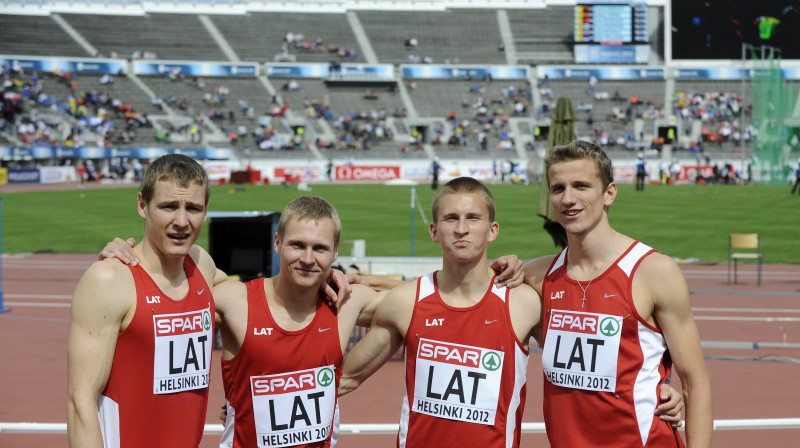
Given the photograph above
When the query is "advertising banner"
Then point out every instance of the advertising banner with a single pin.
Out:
(367, 173)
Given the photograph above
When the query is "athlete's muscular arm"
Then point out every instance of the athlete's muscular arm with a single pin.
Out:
(375, 282)
(364, 301)
(525, 308)
(103, 298)
(230, 298)
(660, 278)
(382, 340)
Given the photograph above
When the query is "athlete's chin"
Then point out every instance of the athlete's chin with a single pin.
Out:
(307, 278)
(177, 250)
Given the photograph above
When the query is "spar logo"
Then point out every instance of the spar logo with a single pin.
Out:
(325, 377)
(610, 326)
(491, 361)
(450, 353)
(573, 322)
(286, 382)
(177, 324)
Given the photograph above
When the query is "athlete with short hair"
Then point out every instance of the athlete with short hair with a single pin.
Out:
(616, 318)
(283, 346)
(139, 347)
(466, 339)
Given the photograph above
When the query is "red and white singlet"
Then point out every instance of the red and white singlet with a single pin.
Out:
(281, 386)
(465, 373)
(603, 364)
(157, 391)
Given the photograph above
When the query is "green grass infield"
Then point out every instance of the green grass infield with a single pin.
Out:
(688, 222)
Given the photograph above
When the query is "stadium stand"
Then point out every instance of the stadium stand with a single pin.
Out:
(48, 40)
(543, 36)
(451, 36)
(261, 36)
(398, 115)
(166, 36)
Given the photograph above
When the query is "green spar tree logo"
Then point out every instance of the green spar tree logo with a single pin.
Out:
(609, 326)
(206, 320)
(491, 361)
(325, 377)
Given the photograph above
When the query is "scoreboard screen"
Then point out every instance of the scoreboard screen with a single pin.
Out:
(611, 22)
(717, 30)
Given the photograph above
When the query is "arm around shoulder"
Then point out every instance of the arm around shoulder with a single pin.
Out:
(384, 338)
(672, 312)
(535, 271)
(103, 298)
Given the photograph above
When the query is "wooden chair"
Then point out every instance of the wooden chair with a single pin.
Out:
(743, 241)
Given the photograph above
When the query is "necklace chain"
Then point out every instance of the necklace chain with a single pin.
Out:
(575, 276)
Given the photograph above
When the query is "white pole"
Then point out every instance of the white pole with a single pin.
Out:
(413, 204)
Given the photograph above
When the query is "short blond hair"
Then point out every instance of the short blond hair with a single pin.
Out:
(464, 185)
(312, 208)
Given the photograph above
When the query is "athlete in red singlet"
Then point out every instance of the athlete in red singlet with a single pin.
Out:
(140, 339)
(608, 328)
(464, 365)
(601, 359)
(281, 385)
(281, 344)
(135, 406)
(465, 383)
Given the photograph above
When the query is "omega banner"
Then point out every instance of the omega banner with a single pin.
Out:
(367, 173)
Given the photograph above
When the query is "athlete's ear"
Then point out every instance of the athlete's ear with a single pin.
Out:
(277, 244)
(434, 232)
(494, 230)
(142, 206)
(610, 194)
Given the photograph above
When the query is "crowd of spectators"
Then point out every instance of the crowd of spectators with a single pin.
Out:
(718, 113)
(483, 122)
(62, 110)
(69, 114)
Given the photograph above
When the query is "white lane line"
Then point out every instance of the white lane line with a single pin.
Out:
(747, 310)
(749, 319)
(38, 305)
(38, 296)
